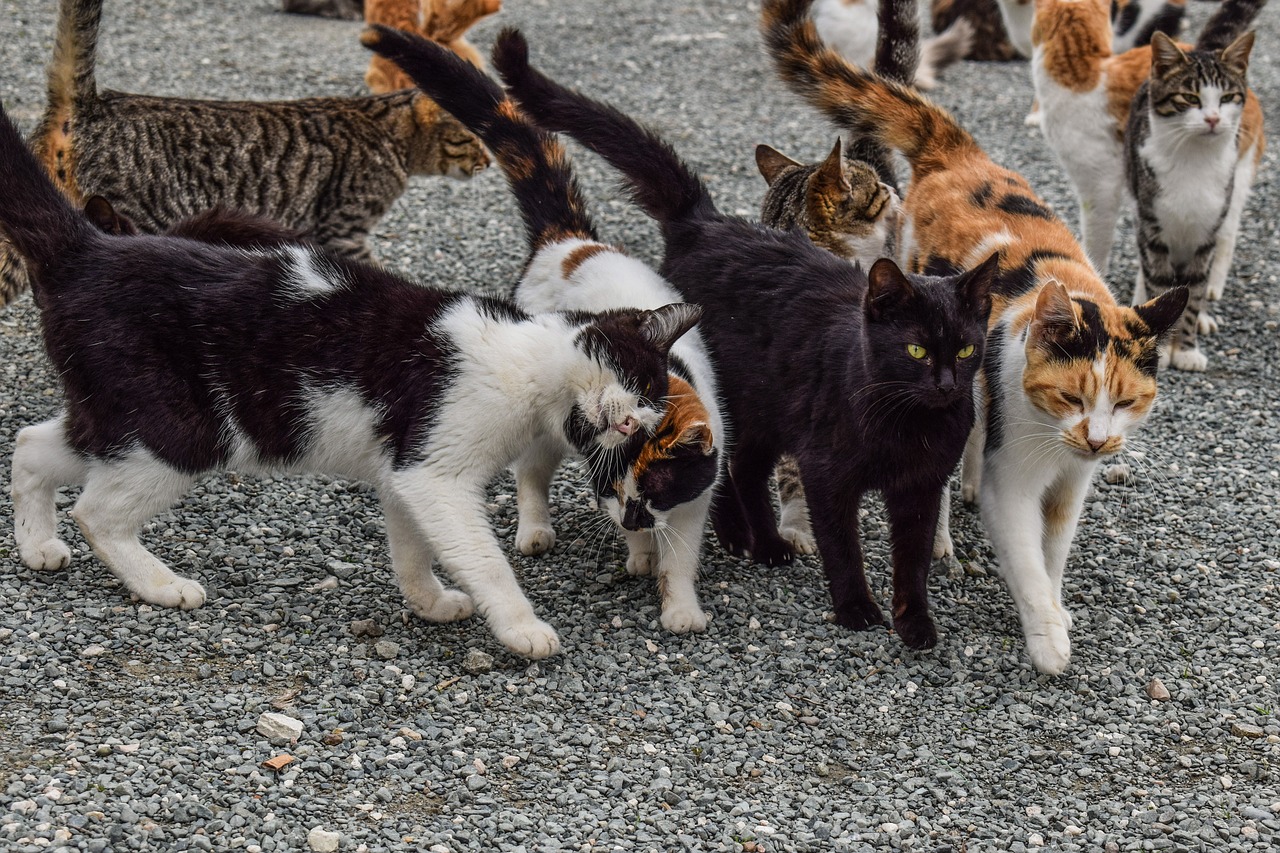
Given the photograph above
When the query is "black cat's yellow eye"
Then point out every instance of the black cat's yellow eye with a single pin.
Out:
(916, 351)
(965, 352)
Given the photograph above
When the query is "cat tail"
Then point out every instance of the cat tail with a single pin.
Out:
(1228, 22)
(946, 48)
(533, 160)
(858, 100)
(898, 41)
(661, 184)
(71, 77)
(36, 217)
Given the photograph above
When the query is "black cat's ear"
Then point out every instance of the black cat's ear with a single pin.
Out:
(105, 218)
(974, 286)
(1055, 315)
(1165, 55)
(663, 326)
(772, 163)
(1161, 313)
(887, 288)
(1235, 56)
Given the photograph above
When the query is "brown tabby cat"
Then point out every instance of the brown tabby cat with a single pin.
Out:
(328, 167)
(443, 21)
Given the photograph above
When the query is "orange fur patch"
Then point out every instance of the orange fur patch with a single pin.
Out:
(442, 21)
(581, 255)
(1076, 37)
(685, 422)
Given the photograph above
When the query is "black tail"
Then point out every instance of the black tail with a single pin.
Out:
(34, 215)
(660, 181)
(533, 160)
(1228, 22)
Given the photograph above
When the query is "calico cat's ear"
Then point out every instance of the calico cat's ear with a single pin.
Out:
(887, 287)
(697, 435)
(1055, 315)
(1235, 56)
(1165, 55)
(1161, 313)
(104, 217)
(663, 326)
(772, 163)
(974, 287)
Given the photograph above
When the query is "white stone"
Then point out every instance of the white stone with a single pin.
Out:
(275, 726)
(322, 840)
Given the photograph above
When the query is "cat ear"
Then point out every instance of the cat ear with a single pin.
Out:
(772, 162)
(663, 326)
(1165, 55)
(1055, 314)
(1162, 312)
(697, 435)
(100, 212)
(1236, 55)
(832, 169)
(974, 287)
(886, 288)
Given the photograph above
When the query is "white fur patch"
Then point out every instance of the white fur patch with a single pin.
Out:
(308, 275)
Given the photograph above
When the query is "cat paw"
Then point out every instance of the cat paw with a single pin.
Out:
(734, 541)
(533, 539)
(1214, 291)
(860, 617)
(642, 564)
(801, 541)
(1049, 648)
(1189, 359)
(943, 547)
(530, 638)
(916, 630)
(684, 618)
(47, 556)
(771, 551)
(451, 605)
(969, 493)
(179, 592)
(1034, 119)
(1206, 324)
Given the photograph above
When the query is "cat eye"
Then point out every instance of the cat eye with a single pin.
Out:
(1072, 400)
(965, 352)
(916, 351)
(1193, 100)
(1124, 404)
(1230, 97)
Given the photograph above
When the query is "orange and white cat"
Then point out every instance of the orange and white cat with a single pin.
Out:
(1068, 373)
(442, 21)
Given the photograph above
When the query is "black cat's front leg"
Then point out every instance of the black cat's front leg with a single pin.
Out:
(728, 520)
(913, 518)
(834, 513)
(751, 471)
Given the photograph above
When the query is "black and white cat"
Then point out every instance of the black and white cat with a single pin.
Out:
(179, 358)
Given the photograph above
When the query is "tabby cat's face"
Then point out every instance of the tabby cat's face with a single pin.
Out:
(676, 465)
(444, 145)
(1200, 93)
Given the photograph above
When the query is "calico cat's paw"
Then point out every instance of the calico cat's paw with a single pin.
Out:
(451, 605)
(943, 546)
(179, 592)
(860, 617)
(1206, 324)
(533, 539)
(1189, 359)
(47, 556)
(1049, 649)
(642, 563)
(684, 618)
(531, 638)
(800, 539)
(916, 630)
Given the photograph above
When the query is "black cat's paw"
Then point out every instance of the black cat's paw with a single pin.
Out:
(916, 630)
(772, 551)
(860, 617)
(733, 539)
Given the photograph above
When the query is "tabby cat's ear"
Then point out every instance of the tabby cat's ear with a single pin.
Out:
(1054, 317)
(772, 163)
(831, 172)
(1162, 312)
(974, 287)
(1165, 55)
(104, 217)
(1236, 55)
(887, 287)
(697, 435)
(663, 326)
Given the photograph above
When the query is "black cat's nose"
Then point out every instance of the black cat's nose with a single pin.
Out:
(946, 380)
(635, 516)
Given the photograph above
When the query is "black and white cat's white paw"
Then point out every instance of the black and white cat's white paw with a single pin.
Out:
(534, 539)
(178, 591)
(47, 556)
(530, 638)
(684, 617)
(1048, 645)
(1206, 324)
(449, 605)
(943, 545)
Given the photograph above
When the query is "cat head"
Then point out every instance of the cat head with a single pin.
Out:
(1201, 92)
(442, 145)
(925, 335)
(621, 398)
(1091, 368)
(676, 464)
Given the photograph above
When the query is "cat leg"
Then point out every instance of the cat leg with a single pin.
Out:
(913, 515)
(1062, 505)
(1186, 353)
(679, 549)
(943, 546)
(450, 512)
(118, 498)
(751, 472)
(835, 524)
(533, 472)
(728, 519)
(1100, 187)
(1229, 231)
(411, 559)
(42, 462)
(971, 463)
(642, 552)
(793, 523)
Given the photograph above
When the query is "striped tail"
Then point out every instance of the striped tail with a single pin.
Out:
(1228, 22)
(856, 99)
(533, 160)
(898, 41)
(661, 184)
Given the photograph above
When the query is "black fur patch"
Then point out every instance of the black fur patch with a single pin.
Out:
(981, 197)
(1013, 283)
(686, 474)
(991, 370)
(1021, 205)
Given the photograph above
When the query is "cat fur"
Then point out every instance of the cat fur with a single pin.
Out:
(851, 27)
(443, 21)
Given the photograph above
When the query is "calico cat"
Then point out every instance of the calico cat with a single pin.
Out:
(346, 10)
(663, 500)
(329, 167)
(850, 26)
(443, 21)
(989, 42)
(1085, 93)
(1068, 373)
(289, 359)
(1188, 172)
(1134, 22)
(866, 378)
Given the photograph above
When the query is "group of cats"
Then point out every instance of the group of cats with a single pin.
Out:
(1002, 343)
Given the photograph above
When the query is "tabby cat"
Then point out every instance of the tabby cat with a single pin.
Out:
(443, 21)
(1187, 171)
(1085, 93)
(851, 27)
(289, 359)
(1068, 373)
(219, 225)
(663, 500)
(328, 167)
(1134, 22)
(866, 378)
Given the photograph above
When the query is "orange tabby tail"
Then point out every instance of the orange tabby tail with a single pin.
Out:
(856, 99)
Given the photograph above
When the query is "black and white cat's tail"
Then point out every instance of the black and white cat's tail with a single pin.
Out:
(34, 214)
(1228, 22)
(533, 160)
(661, 184)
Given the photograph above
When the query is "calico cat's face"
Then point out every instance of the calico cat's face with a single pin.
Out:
(676, 464)
(1091, 369)
(926, 334)
(1200, 93)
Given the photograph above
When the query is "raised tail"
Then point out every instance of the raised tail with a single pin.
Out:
(533, 160)
(946, 48)
(1228, 22)
(38, 220)
(858, 100)
(898, 40)
(661, 184)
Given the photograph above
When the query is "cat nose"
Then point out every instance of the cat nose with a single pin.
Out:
(627, 427)
(1212, 121)
(1095, 446)
(946, 380)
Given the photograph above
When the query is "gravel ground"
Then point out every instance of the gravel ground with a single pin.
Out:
(125, 727)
